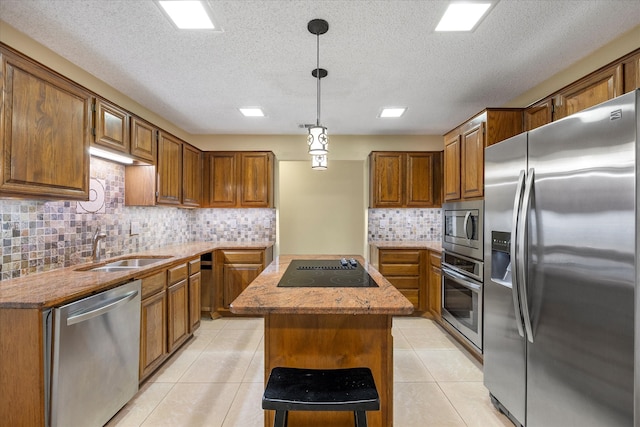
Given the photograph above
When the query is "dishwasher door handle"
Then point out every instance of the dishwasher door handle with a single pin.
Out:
(99, 309)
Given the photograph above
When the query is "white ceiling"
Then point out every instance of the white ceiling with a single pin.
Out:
(378, 53)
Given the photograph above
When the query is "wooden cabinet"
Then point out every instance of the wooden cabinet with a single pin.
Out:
(464, 150)
(144, 140)
(404, 269)
(596, 88)
(111, 128)
(153, 323)
(435, 285)
(538, 114)
(631, 71)
(191, 176)
(405, 179)
(238, 179)
(45, 132)
(177, 306)
(169, 188)
(195, 284)
(234, 271)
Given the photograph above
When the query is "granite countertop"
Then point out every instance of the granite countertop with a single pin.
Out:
(57, 287)
(435, 246)
(263, 296)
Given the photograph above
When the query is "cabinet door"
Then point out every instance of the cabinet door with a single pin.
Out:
(538, 114)
(191, 176)
(404, 270)
(255, 180)
(169, 170)
(178, 314)
(221, 180)
(153, 332)
(195, 283)
(111, 126)
(435, 285)
(472, 178)
(452, 167)
(45, 132)
(144, 140)
(423, 183)
(600, 87)
(632, 72)
(236, 278)
(388, 175)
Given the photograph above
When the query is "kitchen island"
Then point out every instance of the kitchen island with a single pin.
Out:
(327, 327)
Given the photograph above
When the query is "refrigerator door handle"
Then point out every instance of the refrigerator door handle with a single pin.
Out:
(522, 233)
(517, 201)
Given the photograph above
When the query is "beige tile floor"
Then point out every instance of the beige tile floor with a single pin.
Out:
(216, 380)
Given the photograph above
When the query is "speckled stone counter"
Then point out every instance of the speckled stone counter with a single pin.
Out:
(327, 328)
(264, 296)
(408, 244)
(57, 287)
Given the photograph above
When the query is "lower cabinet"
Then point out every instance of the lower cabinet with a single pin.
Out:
(153, 323)
(435, 285)
(195, 285)
(234, 271)
(177, 306)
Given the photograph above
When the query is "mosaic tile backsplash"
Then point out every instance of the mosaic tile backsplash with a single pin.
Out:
(405, 224)
(44, 235)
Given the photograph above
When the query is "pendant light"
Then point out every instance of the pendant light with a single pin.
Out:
(317, 139)
(319, 162)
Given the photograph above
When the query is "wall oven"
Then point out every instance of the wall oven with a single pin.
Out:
(462, 279)
(462, 228)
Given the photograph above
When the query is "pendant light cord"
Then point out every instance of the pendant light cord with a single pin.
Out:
(318, 76)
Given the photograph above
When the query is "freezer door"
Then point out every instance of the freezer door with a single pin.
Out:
(581, 274)
(504, 347)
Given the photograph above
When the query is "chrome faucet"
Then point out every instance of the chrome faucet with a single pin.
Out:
(95, 249)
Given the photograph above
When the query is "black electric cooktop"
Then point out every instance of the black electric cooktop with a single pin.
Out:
(326, 273)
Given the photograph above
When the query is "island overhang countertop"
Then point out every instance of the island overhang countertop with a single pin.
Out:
(263, 296)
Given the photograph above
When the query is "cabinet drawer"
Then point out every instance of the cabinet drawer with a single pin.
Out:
(153, 284)
(388, 270)
(194, 266)
(434, 259)
(177, 273)
(243, 257)
(405, 282)
(399, 257)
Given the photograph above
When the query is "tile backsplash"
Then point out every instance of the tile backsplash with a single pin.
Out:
(405, 224)
(44, 235)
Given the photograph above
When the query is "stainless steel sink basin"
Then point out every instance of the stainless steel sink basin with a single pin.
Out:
(124, 264)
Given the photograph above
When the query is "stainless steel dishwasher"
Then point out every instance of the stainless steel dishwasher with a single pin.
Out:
(94, 348)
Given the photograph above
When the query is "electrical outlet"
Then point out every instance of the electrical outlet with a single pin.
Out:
(135, 228)
(384, 223)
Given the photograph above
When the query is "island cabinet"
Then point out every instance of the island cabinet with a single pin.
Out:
(435, 285)
(405, 179)
(153, 323)
(234, 271)
(238, 179)
(404, 268)
(45, 131)
(464, 150)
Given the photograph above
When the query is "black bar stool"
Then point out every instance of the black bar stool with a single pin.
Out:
(293, 389)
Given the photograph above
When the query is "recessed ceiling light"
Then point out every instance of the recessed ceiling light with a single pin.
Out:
(392, 112)
(462, 16)
(189, 15)
(252, 111)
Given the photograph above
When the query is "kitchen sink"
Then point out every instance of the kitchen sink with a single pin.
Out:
(123, 264)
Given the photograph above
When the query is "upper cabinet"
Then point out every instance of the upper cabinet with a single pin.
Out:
(464, 150)
(45, 132)
(144, 140)
(238, 179)
(191, 176)
(621, 76)
(405, 179)
(111, 126)
(169, 170)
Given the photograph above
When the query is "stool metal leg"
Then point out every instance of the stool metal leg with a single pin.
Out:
(360, 418)
(281, 419)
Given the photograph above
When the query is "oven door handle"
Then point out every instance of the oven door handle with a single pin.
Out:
(461, 279)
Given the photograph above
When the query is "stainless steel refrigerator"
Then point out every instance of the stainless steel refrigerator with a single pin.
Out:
(561, 269)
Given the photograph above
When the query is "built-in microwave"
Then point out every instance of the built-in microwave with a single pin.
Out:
(462, 228)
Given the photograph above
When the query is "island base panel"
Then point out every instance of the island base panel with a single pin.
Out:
(332, 341)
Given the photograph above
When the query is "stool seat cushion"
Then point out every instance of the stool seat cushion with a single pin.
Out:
(294, 389)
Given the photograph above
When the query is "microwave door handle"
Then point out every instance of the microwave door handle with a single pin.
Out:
(517, 201)
(465, 225)
(522, 241)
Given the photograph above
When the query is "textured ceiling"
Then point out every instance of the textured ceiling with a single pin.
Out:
(378, 53)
